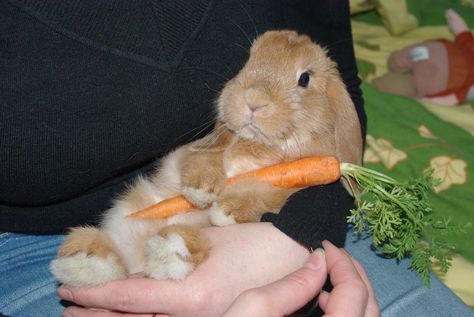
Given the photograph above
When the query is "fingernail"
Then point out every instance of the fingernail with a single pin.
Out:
(315, 260)
(65, 293)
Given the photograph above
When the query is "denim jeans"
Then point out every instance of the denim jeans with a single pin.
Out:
(27, 289)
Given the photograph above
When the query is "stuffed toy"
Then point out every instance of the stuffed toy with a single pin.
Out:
(440, 71)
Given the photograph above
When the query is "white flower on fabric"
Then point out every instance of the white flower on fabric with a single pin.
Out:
(449, 170)
(381, 150)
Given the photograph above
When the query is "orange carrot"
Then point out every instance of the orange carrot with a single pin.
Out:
(316, 170)
(165, 208)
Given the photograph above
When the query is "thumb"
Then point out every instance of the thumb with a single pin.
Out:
(298, 288)
(287, 294)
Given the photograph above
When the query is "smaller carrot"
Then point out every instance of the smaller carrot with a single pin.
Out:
(316, 170)
(165, 208)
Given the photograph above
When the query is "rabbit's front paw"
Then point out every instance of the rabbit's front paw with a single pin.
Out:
(234, 207)
(201, 186)
(175, 252)
(199, 197)
(220, 217)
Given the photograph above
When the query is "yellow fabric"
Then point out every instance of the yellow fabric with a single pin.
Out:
(358, 6)
(373, 44)
(395, 16)
(460, 279)
(394, 13)
(462, 115)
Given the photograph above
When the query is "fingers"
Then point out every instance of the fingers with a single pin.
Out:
(350, 295)
(323, 299)
(286, 295)
(134, 296)
(300, 287)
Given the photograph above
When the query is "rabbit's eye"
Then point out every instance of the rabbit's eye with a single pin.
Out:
(303, 81)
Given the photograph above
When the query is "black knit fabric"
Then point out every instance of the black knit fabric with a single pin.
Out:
(92, 92)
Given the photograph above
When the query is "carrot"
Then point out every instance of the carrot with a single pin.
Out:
(316, 170)
(165, 208)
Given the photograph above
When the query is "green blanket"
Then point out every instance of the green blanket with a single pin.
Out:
(407, 136)
(404, 139)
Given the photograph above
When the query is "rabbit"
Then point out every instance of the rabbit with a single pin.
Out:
(286, 103)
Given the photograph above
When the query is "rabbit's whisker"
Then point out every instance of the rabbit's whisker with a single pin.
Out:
(338, 42)
(250, 18)
(245, 49)
(242, 30)
(202, 127)
(210, 141)
(211, 89)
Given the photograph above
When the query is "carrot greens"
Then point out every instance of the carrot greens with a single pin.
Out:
(397, 216)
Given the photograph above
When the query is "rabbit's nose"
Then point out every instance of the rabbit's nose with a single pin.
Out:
(255, 99)
(256, 107)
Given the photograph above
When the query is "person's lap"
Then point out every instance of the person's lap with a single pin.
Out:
(399, 291)
(26, 286)
(28, 289)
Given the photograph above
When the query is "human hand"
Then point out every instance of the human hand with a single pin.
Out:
(243, 256)
(352, 294)
(286, 295)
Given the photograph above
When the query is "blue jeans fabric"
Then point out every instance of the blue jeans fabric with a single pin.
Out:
(399, 291)
(27, 289)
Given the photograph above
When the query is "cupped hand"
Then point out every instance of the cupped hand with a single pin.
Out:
(352, 295)
(243, 257)
(286, 295)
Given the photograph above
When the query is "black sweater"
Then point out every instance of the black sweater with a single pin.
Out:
(92, 92)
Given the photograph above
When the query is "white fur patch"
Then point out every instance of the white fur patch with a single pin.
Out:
(199, 197)
(219, 218)
(80, 269)
(239, 166)
(166, 258)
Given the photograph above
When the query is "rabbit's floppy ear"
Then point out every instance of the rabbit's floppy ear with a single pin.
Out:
(347, 131)
(216, 141)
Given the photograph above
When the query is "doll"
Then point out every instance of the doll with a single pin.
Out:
(440, 71)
